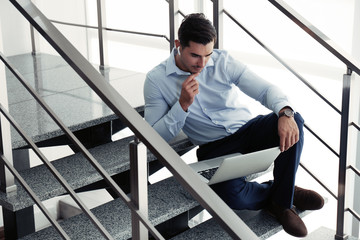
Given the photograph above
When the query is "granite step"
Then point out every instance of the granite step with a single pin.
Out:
(113, 157)
(167, 199)
(260, 222)
(66, 93)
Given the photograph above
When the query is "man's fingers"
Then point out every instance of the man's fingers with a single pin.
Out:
(288, 133)
(282, 144)
(287, 142)
(191, 84)
(190, 88)
(191, 78)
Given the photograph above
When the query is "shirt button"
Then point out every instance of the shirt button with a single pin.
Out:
(205, 109)
(216, 122)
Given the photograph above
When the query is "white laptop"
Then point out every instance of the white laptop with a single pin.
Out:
(235, 165)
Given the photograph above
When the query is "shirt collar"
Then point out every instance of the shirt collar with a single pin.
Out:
(172, 68)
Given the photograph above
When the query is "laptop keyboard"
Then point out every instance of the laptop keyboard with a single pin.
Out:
(208, 173)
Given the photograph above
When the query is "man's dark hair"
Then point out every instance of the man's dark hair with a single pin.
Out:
(195, 27)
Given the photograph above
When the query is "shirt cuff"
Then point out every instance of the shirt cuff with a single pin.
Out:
(179, 113)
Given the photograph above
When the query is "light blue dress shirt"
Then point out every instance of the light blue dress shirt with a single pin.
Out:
(217, 110)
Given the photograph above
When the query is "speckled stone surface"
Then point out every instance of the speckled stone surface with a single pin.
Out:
(79, 108)
(167, 199)
(66, 93)
(77, 171)
(260, 222)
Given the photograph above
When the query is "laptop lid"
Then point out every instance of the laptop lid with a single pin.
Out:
(237, 165)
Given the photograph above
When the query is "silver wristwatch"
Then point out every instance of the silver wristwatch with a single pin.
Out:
(287, 112)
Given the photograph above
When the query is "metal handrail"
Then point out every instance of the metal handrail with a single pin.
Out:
(321, 140)
(352, 65)
(354, 169)
(355, 126)
(305, 82)
(318, 180)
(82, 149)
(100, 28)
(320, 37)
(181, 171)
(356, 215)
(112, 29)
(282, 61)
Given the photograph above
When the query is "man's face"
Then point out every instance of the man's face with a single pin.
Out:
(194, 57)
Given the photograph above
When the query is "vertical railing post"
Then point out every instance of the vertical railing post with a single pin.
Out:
(343, 156)
(138, 184)
(218, 7)
(34, 42)
(173, 23)
(102, 34)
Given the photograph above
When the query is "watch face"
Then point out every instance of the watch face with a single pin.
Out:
(289, 112)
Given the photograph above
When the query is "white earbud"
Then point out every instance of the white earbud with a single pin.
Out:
(178, 50)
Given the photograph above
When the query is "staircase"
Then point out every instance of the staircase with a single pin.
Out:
(170, 206)
(172, 202)
(112, 156)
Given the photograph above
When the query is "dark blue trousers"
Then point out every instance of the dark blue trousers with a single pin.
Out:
(257, 134)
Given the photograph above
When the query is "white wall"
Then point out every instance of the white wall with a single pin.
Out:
(65, 11)
(15, 30)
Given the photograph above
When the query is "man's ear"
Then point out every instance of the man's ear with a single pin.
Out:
(177, 46)
(177, 43)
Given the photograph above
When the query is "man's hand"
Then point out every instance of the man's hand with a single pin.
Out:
(288, 132)
(190, 88)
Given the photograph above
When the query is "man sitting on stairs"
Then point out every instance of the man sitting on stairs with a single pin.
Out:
(197, 90)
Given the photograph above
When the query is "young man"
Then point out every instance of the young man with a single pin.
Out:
(197, 90)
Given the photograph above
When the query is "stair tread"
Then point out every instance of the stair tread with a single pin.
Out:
(260, 222)
(74, 168)
(113, 157)
(66, 93)
(167, 199)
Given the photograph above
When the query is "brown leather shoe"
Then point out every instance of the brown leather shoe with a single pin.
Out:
(307, 199)
(290, 220)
